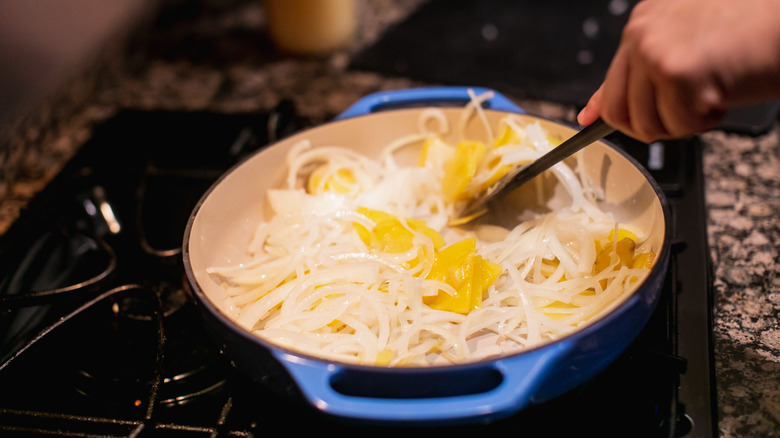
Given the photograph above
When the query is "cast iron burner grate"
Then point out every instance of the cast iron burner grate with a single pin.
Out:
(99, 337)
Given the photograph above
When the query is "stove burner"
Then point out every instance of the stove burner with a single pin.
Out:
(138, 308)
(109, 365)
(135, 324)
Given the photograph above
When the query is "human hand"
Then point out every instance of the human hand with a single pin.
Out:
(682, 63)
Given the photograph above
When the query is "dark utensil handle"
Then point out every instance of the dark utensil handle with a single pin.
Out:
(593, 132)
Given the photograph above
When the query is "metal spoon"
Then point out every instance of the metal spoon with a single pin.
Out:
(479, 205)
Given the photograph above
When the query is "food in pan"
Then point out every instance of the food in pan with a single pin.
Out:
(359, 261)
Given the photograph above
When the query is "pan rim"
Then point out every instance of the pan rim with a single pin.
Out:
(658, 270)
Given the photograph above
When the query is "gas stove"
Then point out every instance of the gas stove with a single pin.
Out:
(99, 336)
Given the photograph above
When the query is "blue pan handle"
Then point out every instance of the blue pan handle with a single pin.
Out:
(521, 375)
(452, 96)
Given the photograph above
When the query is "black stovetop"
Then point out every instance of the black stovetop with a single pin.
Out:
(99, 336)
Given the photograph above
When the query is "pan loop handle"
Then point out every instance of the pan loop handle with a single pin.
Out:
(521, 377)
(426, 96)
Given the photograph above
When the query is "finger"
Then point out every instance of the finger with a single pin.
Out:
(646, 123)
(613, 104)
(590, 113)
(687, 108)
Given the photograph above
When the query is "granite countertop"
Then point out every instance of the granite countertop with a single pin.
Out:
(219, 60)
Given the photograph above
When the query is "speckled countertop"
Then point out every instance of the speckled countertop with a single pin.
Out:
(221, 61)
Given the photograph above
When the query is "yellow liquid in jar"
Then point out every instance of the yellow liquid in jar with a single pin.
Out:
(310, 26)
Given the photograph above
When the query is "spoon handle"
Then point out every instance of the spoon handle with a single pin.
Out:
(593, 132)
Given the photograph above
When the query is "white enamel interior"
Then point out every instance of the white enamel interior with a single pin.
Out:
(225, 221)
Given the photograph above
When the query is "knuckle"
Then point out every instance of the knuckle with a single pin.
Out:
(648, 132)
